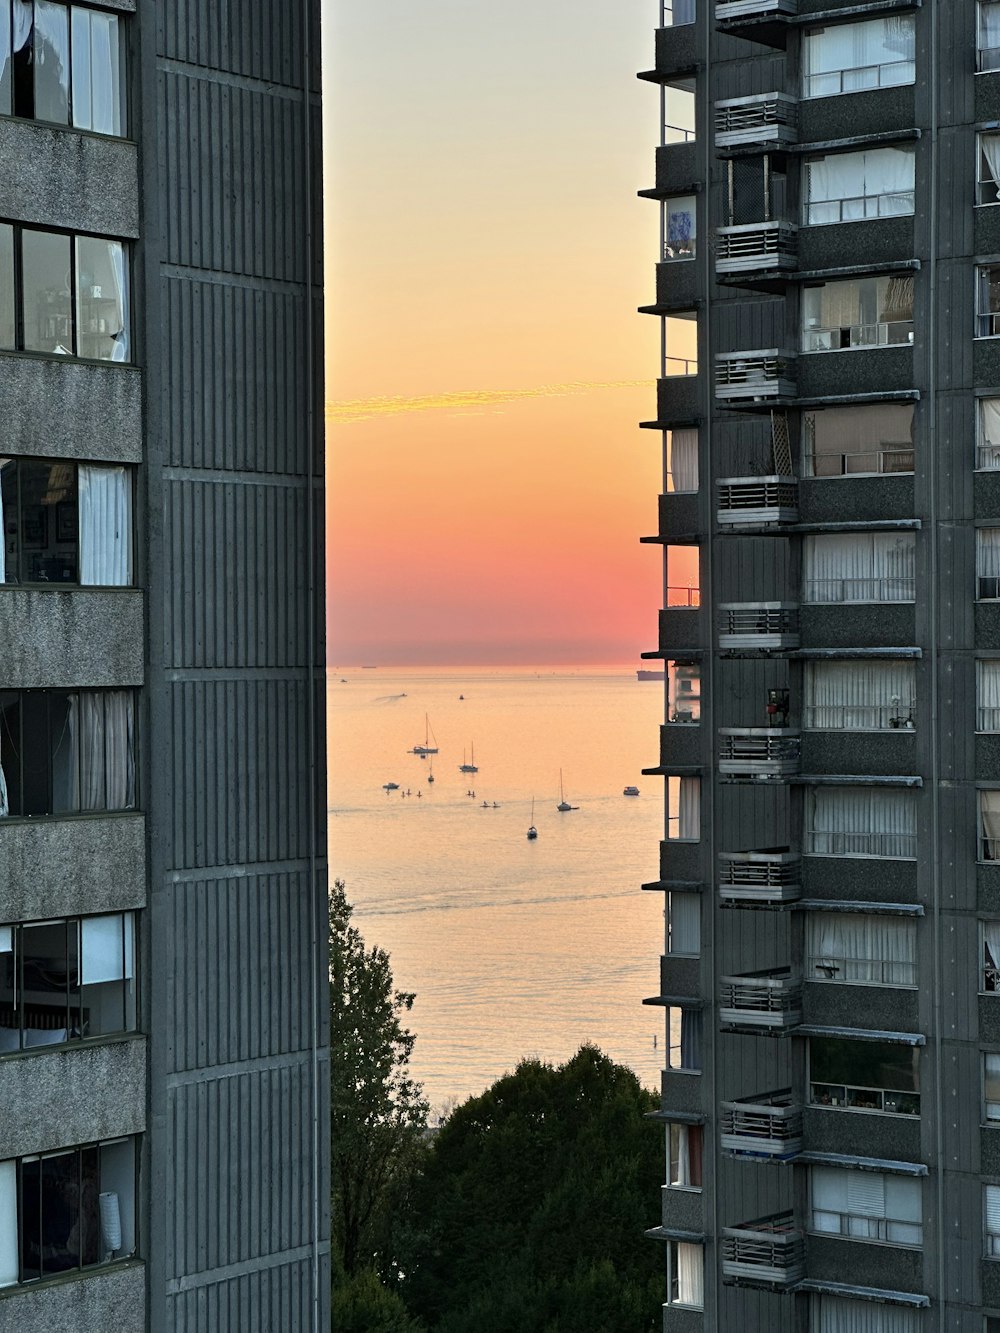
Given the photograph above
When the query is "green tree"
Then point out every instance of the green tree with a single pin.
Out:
(378, 1112)
(531, 1204)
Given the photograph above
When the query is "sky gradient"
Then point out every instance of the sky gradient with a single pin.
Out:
(485, 253)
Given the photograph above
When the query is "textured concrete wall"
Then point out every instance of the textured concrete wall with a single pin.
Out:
(77, 411)
(68, 867)
(61, 637)
(77, 1094)
(78, 182)
(84, 1303)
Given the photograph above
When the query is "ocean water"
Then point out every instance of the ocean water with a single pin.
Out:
(514, 948)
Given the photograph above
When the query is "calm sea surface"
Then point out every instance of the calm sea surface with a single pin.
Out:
(513, 947)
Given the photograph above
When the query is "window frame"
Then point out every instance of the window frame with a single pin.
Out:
(854, 69)
(673, 1156)
(692, 903)
(987, 321)
(991, 1239)
(885, 449)
(846, 1107)
(823, 973)
(882, 327)
(847, 1217)
(981, 66)
(680, 1068)
(992, 1121)
(673, 1278)
(808, 205)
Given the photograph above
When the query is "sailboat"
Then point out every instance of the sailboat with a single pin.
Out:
(532, 831)
(564, 805)
(469, 767)
(430, 775)
(424, 750)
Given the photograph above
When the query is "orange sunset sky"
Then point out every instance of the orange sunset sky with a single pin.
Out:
(486, 370)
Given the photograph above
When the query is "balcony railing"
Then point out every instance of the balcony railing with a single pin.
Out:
(755, 245)
(758, 625)
(768, 1125)
(726, 10)
(759, 752)
(761, 374)
(769, 1252)
(764, 119)
(771, 1000)
(759, 878)
(751, 501)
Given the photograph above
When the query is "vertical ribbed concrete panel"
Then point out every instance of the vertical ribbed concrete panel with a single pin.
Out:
(236, 1178)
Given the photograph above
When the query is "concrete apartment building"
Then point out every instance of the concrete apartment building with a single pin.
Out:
(163, 1088)
(829, 287)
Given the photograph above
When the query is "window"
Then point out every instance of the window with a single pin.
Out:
(877, 950)
(684, 809)
(991, 1085)
(866, 1205)
(683, 693)
(991, 1203)
(685, 1274)
(991, 1325)
(988, 695)
(989, 826)
(864, 1075)
(66, 752)
(836, 1314)
(864, 312)
(680, 344)
(684, 924)
(861, 821)
(991, 956)
(64, 64)
(850, 57)
(676, 12)
(988, 174)
(859, 567)
(850, 187)
(681, 577)
(63, 294)
(988, 36)
(988, 301)
(678, 112)
(684, 1040)
(68, 980)
(685, 1144)
(65, 522)
(858, 441)
(988, 434)
(987, 564)
(680, 474)
(67, 1210)
(859, 696)
(679, 227)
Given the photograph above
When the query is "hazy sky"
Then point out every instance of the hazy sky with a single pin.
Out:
(485, 252)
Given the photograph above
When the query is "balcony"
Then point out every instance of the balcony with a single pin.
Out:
(758, 626)
(768, 1001)
(768, 1252)
(768, 1125)
(765, 120)
(726, 11)
(756, 246)
(761, 754)
(759, 879)
(757, 376)
(757, 501)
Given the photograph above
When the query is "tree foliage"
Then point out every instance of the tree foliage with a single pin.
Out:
(378, 1112)
(530, 1207)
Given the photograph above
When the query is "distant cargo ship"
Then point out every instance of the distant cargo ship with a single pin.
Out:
(651, 675)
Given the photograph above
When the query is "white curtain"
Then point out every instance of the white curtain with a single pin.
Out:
(862, 821)
(989, 146)
(857, 696)
(989, 818)
(684, 459)
(988, 453)
(988, 695)
(8, 1224)
(849, 56)
(835, 1314)
(877, 950)
(102, 732)
(989, 28)
(4, 462)
(96, 72)
(859, 567)
(116, 253)
(106, 948)
(105, 526)
(987, 563)
(684, 916)
(689, 809)
(846, 187)
(4, 800)
(680, 1155)
(684, 11)
(690, 1275)
(991, 955)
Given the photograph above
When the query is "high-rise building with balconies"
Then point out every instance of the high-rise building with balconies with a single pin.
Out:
(829, 289)
(162, 809)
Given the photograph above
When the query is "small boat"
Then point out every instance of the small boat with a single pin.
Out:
(390, 786)
(631, 791)
(430, 775)
(424, 750)
(469, 767)
(532, 831)
(564, 805)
